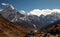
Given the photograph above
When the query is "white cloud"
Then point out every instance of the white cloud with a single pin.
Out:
(56, 10)
(22, 11)
(45, 12)
(35, 12)
(4, 4)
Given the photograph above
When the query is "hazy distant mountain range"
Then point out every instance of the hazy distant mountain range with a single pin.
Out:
(34, 19)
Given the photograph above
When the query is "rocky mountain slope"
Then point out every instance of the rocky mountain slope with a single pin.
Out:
(14, 16)
(9, 29)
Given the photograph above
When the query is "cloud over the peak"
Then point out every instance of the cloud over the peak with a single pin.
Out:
(45, 12)
(7, 4)
(4, 4)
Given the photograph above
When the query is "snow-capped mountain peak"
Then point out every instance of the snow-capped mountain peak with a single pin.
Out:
(1, 9)
(12, 7)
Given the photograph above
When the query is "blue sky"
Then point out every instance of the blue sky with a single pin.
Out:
(29, 5)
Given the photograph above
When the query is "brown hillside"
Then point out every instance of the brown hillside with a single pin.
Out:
(9, 29)
(53, 30)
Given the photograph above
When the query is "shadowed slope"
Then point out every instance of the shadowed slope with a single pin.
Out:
(53, 30)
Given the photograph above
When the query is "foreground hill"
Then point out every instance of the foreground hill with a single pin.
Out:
(9, 29)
